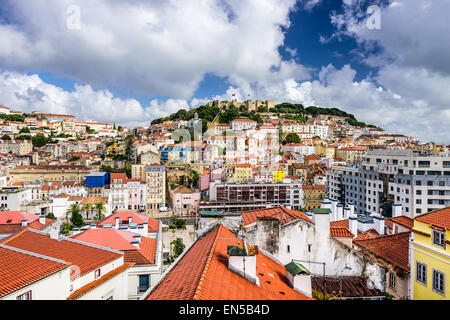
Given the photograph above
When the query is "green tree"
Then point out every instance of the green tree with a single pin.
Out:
(25, 130)
(178, 247)
(39, 140)
(6, 137)
(51, 216)
(87, 207)
(292, 138)
(100, 208)
(75, 217)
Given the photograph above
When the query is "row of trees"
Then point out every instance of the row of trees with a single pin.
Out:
(74, 216)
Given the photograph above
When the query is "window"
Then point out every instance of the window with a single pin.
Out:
(421, 273)
(418, 183)
(288, 248)
(430, 183)
(143, 282)
(392, 280)
(97, 274)
(25, 296)
(419, 192)
(438, 282)
(439, 238)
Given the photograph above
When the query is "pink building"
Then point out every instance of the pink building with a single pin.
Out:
(184, 200)
(137, 192)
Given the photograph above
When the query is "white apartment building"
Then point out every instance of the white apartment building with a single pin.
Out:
(12, 198)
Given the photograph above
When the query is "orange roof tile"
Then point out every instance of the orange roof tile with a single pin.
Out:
(282, 213)
(439, 218)
(202, 274)
(341, 232)
(405, 221)
(121, 240)
(86, 257)
(20, 269)
(392, 248)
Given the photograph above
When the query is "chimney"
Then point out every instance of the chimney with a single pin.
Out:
(93, 225)
(346, 212)
(76, 231)
(145, 229)
(129, 219)
(299, 278)
(326, 204)
(24, 223)
(351, 205)
(54, 233)
(396, 210)
(333, 209)
(353, 225)
(242, 263)
(117, 222)
(136, 241)
(378, 223)
(321, 220)
(339, 212)
(42, 219)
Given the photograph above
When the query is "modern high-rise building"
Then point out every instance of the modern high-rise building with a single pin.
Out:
(419, 182)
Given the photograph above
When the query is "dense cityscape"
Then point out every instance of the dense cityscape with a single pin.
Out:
(282, 200)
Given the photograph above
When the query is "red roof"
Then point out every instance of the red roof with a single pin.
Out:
(439, 218)
(211, 279)
(392, 248)
(405, 221)
(20, 269)
(341, 232)
(119, 176)
(86, 257)
(121, 240)
(284, 214)
(153, 224)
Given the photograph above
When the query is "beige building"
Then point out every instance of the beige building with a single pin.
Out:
(20, 147)
(351, 154)
(156, 186)
(47, 173)
(138, 172)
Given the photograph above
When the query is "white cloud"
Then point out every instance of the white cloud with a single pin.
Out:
(159, 48)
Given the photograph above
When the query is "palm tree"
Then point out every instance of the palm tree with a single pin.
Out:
(73, 209)
(100, 207)
(87, 208)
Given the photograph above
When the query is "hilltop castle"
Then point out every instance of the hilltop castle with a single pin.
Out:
(249, 104)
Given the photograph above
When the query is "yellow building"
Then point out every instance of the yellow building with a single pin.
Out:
(278, 175)
(430, 256)
(242, 172)
(138, 171)
(351, 154)
(313, 196)
(48, 173)
(114, 149)
(326, 151)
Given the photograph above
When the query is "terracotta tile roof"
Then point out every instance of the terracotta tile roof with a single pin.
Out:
(94, 200)
(351, 286)
(94, 284)
(16, 217)
(392, 248)
(339, 224)
(85, 256)
(341, 232)
(121, 240)
(439, 218)
(203, 274)
(20, 269)
(118, 176)
(284, 214)
(405, 221)
(371, 234)
(153, 224)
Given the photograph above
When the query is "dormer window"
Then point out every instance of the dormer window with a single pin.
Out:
(439, 238)
(97, 273)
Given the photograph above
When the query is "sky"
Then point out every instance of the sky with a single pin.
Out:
(131, 61)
